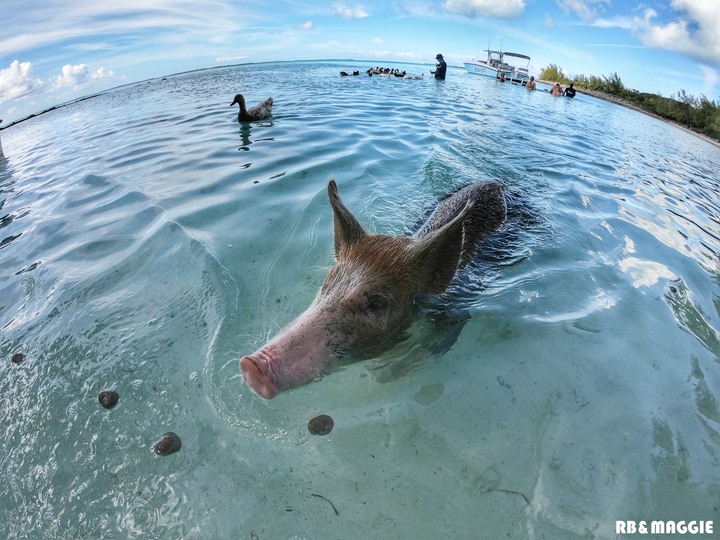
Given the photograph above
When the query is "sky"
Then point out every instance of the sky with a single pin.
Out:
(54, 51)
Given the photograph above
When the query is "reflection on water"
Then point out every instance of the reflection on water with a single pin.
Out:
(691, 318)
(568, 380)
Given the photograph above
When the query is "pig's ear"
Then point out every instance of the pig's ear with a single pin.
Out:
(347, 228)
(437, 255)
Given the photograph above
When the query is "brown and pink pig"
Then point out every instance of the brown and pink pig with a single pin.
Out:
(367, 297)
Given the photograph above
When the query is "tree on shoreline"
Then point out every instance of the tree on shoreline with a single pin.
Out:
(699, 114)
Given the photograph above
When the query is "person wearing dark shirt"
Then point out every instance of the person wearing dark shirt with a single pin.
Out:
(570, 91)
(440, 68)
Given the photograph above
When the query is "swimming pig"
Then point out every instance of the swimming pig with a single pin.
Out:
(367, 296)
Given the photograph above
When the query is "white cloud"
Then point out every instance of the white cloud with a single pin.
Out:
(231, 58)
(711, 80)
(711, 76)
(18, 81)
(79, 75)
(306, 26)
(417, 8)
(409, 55)
(626, 23)
(402, 55)
(587, 10)
(351, 12)
(500, 9)
(99, 46)
(694, 29)
(32, 25)
(101, 74)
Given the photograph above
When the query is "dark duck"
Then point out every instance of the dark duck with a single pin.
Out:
(259, 112)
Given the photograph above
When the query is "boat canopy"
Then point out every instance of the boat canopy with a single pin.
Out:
(516, 55)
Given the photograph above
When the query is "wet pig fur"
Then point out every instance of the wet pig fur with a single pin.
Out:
(368, 295)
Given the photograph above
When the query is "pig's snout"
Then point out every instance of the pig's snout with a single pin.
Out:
(254, 370)
(293, 357)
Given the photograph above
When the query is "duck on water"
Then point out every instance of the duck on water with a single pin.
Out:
(259, 112)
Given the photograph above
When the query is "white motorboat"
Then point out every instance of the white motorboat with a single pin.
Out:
(496, 64)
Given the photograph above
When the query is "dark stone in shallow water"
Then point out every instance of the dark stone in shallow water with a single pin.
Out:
(168, 444)
(321, 425)
(18, 358)
(108, 398)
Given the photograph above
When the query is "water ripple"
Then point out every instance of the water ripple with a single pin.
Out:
(148, 241)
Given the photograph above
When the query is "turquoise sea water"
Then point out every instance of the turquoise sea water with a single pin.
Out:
(148, 241)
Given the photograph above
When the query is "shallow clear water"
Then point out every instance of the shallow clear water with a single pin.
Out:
(147, 241)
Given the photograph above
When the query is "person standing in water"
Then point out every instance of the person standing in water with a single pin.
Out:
(570, 91)
(531, 83)
(440, 68)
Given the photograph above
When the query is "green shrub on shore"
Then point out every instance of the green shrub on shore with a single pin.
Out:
(699, 114)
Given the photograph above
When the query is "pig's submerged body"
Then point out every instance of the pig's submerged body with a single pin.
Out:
(368, 297)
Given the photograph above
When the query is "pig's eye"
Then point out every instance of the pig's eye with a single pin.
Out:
(378, 303)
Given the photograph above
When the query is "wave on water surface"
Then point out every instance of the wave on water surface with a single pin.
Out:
(148, 241)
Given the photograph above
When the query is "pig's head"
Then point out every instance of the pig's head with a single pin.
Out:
(365, 300)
